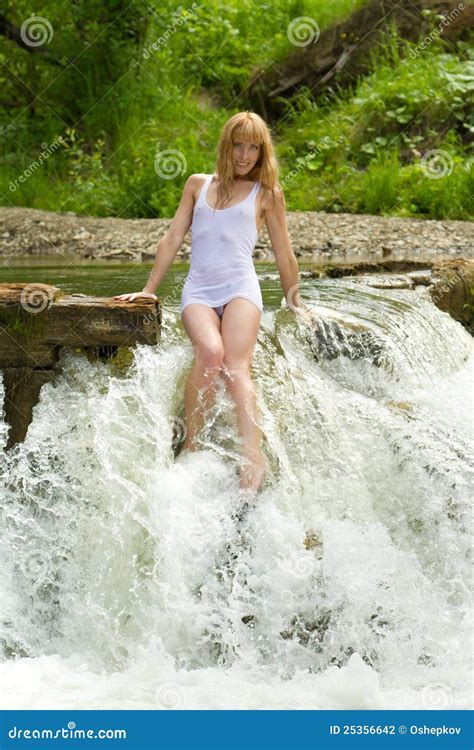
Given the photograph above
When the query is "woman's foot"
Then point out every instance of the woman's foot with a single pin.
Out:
(253, 472)
(185, 448)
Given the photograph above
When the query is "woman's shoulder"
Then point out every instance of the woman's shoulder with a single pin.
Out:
(270, 197)
(198, 178)
(195, 183)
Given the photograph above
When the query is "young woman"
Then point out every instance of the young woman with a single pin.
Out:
(221, 302)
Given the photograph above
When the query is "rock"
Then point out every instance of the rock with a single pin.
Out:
(36, 320)
(404, 405)
(423, 277)
(387, 281)
(22, 388)
(312, 541)
(313, 236)
(453, 289)
(83, 235)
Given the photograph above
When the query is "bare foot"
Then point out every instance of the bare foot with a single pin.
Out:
(253, 472)
(182, 449)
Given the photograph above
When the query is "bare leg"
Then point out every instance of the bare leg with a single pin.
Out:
(202, 324)
(239, 329)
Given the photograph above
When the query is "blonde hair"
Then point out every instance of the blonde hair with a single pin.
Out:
(247, 126)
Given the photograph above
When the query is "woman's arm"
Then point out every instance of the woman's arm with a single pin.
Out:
(275, 217)
(170, 243)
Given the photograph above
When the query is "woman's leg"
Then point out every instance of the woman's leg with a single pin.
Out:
(239, 329)
(202, 324)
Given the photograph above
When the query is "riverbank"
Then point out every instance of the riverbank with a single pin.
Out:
(316, 236)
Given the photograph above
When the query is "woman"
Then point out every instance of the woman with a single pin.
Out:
(221, 302)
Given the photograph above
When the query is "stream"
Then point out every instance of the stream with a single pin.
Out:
(131, 579)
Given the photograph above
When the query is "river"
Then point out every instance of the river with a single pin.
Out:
(132, 580)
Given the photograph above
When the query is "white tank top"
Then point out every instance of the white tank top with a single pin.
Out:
(222, 246)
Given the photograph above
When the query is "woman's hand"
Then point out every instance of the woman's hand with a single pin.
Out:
(136, 295)
(300, 308)
(305, 315)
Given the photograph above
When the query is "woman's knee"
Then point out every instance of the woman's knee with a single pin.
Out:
(210, 356)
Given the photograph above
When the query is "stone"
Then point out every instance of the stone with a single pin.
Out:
(453, 289)
(37, 320)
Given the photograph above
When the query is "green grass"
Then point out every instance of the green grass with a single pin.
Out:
(21, 323)
(362, 152)
(355, 151)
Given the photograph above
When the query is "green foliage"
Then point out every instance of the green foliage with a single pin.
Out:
(21, 323)
(122, 83)
(376, 137)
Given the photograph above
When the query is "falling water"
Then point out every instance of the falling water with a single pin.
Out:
(131, 579)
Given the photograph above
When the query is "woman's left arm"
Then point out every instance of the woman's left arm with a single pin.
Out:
(275, 217)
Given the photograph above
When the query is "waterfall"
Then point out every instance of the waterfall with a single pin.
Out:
(131, 579)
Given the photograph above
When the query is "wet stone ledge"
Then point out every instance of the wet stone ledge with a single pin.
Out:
(38, 320)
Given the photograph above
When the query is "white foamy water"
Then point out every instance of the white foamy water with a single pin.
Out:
(130, 579)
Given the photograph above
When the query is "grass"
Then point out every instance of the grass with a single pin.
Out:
(362, 150)
(19, 322)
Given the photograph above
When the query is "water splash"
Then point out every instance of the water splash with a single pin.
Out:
(344, 584)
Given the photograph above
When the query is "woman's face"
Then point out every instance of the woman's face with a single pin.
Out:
(245, 155)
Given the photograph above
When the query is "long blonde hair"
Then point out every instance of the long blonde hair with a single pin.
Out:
(247, 126)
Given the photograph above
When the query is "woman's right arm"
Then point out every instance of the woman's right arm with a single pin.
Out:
(169, 244)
